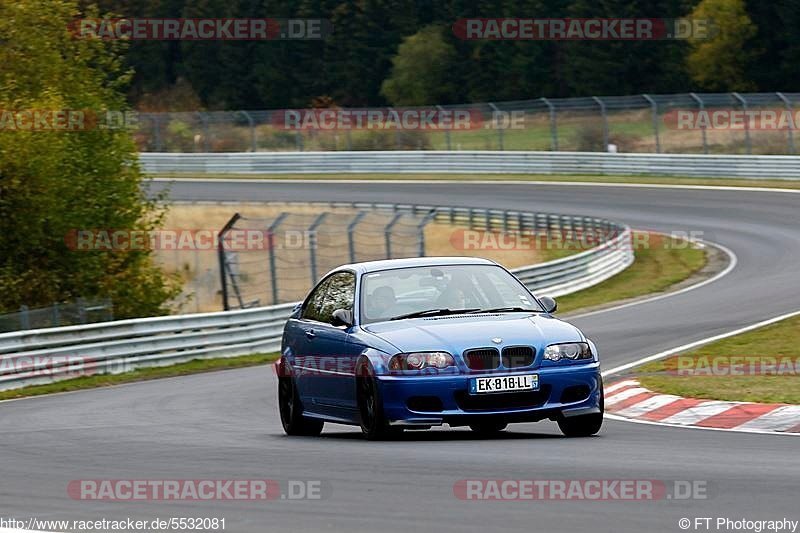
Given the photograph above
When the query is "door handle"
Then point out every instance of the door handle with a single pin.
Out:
(310, 333)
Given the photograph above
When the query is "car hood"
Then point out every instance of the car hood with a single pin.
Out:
(457, 333)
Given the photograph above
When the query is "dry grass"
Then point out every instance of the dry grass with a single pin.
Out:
(200, 268)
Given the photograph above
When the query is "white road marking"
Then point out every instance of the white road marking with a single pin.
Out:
(780, 419)
(624, 395)
(695, 344)
(650, 404)
(693, 415)
(616, 418)
(619, 385)
(733, 261)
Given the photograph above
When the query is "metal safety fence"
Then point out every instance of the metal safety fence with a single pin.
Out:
(706, 123)
(81, 311)
(302, 246)
(477, 162)
(45, 355)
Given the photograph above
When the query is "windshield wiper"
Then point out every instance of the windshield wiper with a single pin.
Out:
(434, 312)
(505, 310)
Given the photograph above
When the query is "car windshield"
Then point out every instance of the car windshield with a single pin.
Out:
(441, 289)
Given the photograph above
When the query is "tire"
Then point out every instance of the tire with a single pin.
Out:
(583, 425)
(488, 428)
(374, 425)
(291, 411)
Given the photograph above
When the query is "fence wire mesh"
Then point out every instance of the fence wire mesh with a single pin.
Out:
(304, 244)
(673, 123)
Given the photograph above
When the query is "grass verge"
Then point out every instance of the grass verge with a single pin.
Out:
(648, 180)
(142, 374)
(661, 262)
(758, 366)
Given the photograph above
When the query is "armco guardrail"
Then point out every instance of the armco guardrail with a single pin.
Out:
(44, 355)
(476, 162)
(41, 356)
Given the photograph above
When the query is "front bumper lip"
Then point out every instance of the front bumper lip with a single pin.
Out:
(417, 422)
(396, 391)
(580, 411)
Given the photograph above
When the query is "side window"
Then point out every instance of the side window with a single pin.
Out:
(314, 303)
(339, 295)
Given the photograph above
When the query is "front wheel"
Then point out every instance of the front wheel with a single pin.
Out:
(374, 425)
(292, 419)
(583, 425)
(580, 426)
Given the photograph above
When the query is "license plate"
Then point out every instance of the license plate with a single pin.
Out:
(520, 382)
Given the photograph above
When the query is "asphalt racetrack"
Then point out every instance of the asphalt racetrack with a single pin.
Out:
(225, 425)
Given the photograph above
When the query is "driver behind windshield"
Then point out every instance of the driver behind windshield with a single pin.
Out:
(381, 301)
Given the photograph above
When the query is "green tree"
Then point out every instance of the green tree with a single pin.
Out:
(719, 63)
(53, 183)
(420, 73)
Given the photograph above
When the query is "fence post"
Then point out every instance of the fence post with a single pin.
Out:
(605, 121)
(747, 143)
(789, 130)
(24, 317)
(421, 232)
(351, 242)
(206, 132)
(157, 131)
(253, 143)
(495, 116)
(553, 125)
(272, 268)
(654, 107)
(396, 132)
(81, 304)
(56, 316)
(223, 265)
(702, 126)
(446, 130)
(387, 233)
(312, 246)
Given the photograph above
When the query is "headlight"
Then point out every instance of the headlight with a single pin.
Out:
(420, 360)
(572, 351)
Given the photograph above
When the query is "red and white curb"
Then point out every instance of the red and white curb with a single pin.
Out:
(628, 399)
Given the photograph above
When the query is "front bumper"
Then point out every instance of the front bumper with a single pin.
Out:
(434, 400)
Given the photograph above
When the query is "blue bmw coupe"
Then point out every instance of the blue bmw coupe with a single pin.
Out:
(414, 343)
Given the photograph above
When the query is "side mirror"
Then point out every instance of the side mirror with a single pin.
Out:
(342, 317)
(550, 305)
(297, 310)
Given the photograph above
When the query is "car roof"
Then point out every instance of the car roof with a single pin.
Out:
(385, 264)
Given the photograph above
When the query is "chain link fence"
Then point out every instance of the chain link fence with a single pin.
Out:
(302, 246)
(64, 314)
(719, 123)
